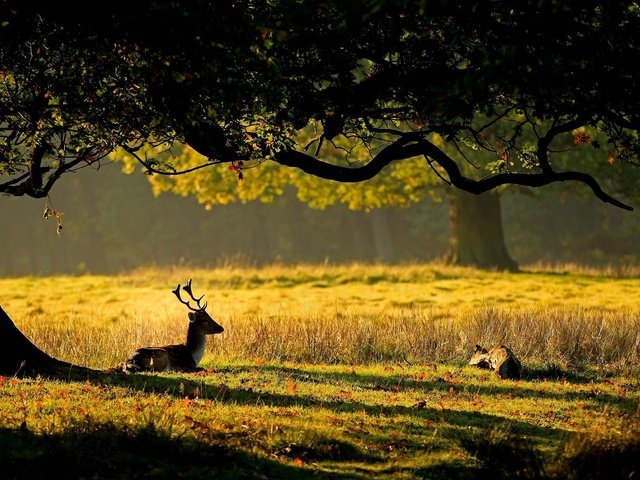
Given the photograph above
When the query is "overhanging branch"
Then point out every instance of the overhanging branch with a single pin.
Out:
(63, 168)
(401, 149)
(525, 179)
(412, 146)
(151, 169)
(24, 184)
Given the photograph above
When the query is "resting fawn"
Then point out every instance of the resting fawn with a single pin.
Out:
(500, 359)
(183, 357)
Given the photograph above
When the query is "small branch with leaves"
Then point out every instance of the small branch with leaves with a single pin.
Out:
(51, 213)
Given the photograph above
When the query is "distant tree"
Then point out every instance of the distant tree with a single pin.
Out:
(247, 82)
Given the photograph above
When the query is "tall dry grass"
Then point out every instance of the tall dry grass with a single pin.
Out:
(346, 313)
(565, 336)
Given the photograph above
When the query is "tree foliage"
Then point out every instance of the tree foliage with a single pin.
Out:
(337, 90)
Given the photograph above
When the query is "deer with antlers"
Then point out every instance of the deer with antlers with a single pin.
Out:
(182, 357)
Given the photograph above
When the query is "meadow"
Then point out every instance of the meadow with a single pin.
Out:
(331, 371)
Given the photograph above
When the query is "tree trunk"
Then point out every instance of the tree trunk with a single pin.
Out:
(477, 238)
(19, 357)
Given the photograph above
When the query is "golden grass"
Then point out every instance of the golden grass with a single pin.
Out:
(330, 314)
(351, 371)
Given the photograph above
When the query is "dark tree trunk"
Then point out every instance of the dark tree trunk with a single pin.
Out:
(19, 357)
(477, 238)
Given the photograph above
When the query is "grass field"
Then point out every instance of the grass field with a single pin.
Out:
(355, 371)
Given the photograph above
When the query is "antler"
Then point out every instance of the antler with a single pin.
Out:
(187, 288)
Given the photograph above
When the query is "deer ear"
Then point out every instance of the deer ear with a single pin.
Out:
(192, 316)
(478, 349)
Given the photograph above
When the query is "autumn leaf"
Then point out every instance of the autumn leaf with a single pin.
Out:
(291, 387)
(581, 137)
(195, 424)
(346, 393)
(336, 422)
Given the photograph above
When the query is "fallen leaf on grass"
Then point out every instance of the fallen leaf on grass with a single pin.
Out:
(291, 387)
(335, 421)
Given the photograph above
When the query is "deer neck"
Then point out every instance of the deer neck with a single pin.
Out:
(196, 340)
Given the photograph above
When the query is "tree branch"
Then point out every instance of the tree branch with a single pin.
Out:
(151, 169)
(525, 179)
(23, 185)
(401, 149)
(35, 166)
(412, 145)
(64, 167)
(543, 142)
(13, 181)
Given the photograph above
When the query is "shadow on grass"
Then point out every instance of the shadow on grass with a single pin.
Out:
(555, 372)
(450, 420)
(513, 389)
(186, 386)
(182, 387)
(106, 451)
(448, 471)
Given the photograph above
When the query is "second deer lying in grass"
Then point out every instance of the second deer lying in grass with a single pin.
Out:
(182, 357)
(501, 359)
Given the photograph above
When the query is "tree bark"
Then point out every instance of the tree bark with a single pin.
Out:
(477, 237)
(20, 357)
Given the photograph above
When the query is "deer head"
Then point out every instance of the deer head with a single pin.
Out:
(198, 316)
(480, 358)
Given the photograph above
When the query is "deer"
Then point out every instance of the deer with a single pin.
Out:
(500, 359)
(183, 357)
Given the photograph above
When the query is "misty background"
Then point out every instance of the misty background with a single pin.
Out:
(112, 223)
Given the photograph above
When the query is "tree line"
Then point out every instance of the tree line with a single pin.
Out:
(112, 222)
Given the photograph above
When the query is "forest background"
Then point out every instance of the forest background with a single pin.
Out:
(113, 223)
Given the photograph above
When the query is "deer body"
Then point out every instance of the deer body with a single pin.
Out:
(500, 359)
(183, 357)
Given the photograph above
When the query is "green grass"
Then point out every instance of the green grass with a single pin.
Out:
(327, 372)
